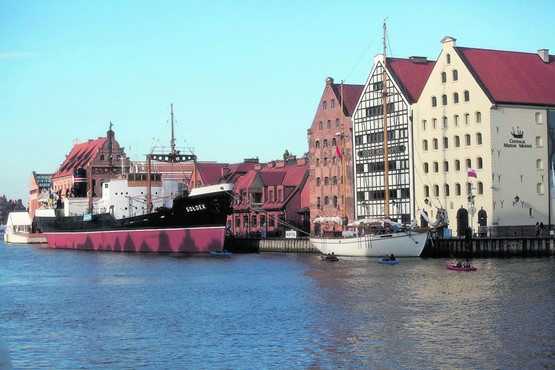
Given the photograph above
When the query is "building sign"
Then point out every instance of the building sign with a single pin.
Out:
(290, 234)
(517, 140)
(379, 151)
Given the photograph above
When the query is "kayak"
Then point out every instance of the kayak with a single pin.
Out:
(450, 266)
(217, 253)
(388, 262)
(329, 258)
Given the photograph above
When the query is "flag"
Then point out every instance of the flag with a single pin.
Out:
(337, 150)
(470, 172)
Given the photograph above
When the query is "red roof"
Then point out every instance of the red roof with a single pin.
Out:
(81, 155)
(210, 172)
(512, 77)
(411, 75)
(351, 93)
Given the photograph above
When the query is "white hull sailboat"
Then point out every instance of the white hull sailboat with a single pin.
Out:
(405, 241)
(401, 244)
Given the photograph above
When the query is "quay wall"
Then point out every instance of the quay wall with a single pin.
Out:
(437, 248)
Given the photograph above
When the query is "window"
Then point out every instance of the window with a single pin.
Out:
(317, 162)
(456, 98)
(457, 141)
(434, 101)
(329, 123)
(337, 122)
(458, 189)
(426, 191)
(434, 124)
(445, 122)
(426, 167)
(444, 99)
(324, 105)
(333, 142)
(443, 77)
(538, 118)
(539, 164)
(478, 138)
(318, 202)
(321, 125)
(445, 143)
(333, 103)
(446, 167)
(457, 165)
(425, 145)
(326, 200)
(480, 187)
(448, 58)
(468, 163)
(466, 119)
(436, 167)
(539, 142)
(446, 190)
(436, 190)
(466, 95)
(539, 188)
(424, 124)
(325, 143)
(326, 160)
(317, 145)
(335, 202)
(326, 180)
(479, 163)
(456, 120)
(334, 180)
(478, 117)
(318, 180)
(467, 140)
(435, 144)
(455, 75)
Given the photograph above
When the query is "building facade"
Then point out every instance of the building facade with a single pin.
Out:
(404, 81)
(484, 129)
(330, 143)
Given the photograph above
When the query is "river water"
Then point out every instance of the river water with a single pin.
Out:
(104, 310)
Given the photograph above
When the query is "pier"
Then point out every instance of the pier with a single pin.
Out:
(435, 248)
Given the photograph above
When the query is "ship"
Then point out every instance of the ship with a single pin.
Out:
(142, 212)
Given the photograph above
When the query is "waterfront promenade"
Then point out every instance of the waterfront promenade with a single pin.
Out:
(438, 248)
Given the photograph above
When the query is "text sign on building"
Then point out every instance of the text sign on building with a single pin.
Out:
(290, 234)
(518, 139)
(379, 151)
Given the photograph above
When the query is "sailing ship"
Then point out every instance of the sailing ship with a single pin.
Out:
(129, 218)
(373, 237)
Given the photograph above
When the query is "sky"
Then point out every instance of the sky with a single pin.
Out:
(245, 77)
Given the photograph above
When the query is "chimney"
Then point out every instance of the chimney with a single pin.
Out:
(329, 81)
(544, 55)
(419, 60)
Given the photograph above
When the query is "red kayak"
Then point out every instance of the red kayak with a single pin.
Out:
(450, 266)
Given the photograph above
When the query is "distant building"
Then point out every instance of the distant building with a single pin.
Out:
(271, 198)
(39, 185)
(330, 142)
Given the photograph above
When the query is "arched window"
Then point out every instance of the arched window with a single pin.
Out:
(538, 118)
(436, 190)
(434, 123)
(325, 161)
(333, 142)
(317, 144)
(445, 122)
(318, 205)
(457, 165)
(456, 120)
(455, 75)
(324, 105)
(539, 188)
(325, 143)
(318, 181)
(435, 143)
(333, 103)
(425, 145)
(436, 167)
(480, 187)
(457, 141)
(329, 123)
(326, 200)
(467, 140)
(321, 125)
(466, 119)
(102, 157)
(444, 99)
(443, 77)
(335, 202)
(426, 169)
(539, 142)
(456, 98)
(446, 190)
(458, 189)
(334, 180)
(445, 166)
(448, 58)
(434, 101)
(539, 164)
(326, 181)
(426, 191)
(445, 143)
(424, 124)
(479, 163)
(478, 117)
(466, 95)
(478, 138)
(317, 162)
(468, 163)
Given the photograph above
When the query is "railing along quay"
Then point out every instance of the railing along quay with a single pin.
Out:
(435, 248)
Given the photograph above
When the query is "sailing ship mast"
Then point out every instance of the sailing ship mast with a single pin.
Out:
(343, 164)
(385, 143)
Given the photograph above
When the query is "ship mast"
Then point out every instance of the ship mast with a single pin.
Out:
(385, 142)
(173, 157)
(343, 164)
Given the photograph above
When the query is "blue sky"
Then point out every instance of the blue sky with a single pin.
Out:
(245, 77)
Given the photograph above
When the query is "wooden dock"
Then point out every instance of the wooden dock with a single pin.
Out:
(437, 248)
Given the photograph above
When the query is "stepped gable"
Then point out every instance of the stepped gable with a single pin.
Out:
(80, 157)
(512, 77)
(410, 75)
